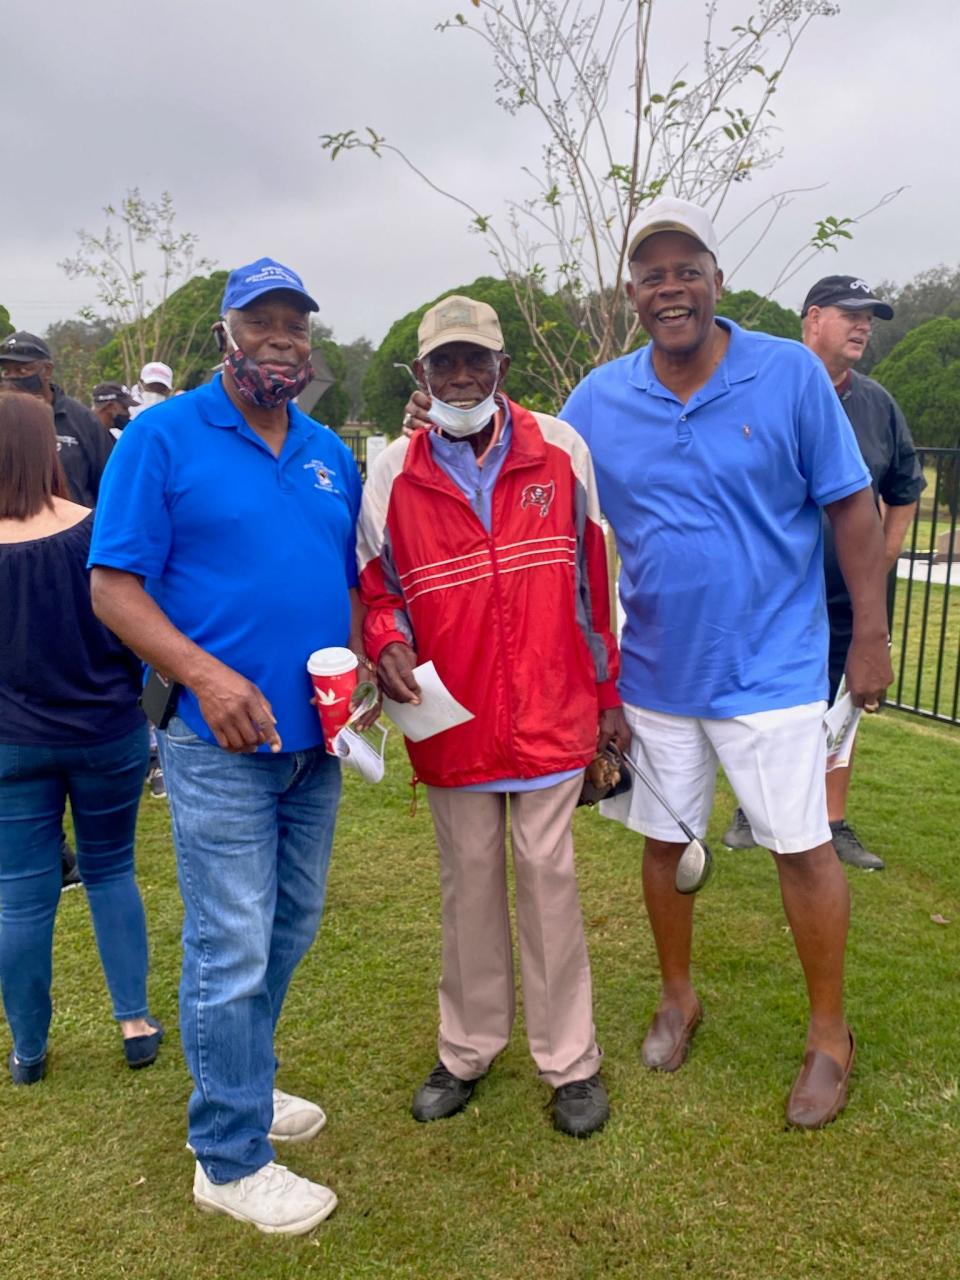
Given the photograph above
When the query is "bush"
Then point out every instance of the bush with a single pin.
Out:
(922, 373)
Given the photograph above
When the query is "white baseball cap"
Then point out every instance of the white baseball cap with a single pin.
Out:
(157, 372)
(670, 214)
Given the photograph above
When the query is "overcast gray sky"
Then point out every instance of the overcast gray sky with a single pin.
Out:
(221, 102)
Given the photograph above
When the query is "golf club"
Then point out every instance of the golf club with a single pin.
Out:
(696, 861)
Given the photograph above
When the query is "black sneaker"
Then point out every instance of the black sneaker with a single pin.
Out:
(738, 835)
(69, 872)
(851, 851)
(442, 1094)
(158, 788)
(581, 1107)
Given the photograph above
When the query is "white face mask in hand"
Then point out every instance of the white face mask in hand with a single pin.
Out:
(362, 750)
(460, 423)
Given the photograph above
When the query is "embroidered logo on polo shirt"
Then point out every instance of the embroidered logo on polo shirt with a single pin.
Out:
(323, 475)
(538, 495)
(66, 440)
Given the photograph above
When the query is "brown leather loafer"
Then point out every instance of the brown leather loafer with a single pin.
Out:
(819, 1093)
(667, 1042)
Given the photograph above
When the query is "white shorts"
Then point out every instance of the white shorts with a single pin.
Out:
(775, 761)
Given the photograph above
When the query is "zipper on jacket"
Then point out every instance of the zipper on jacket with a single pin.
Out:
(503, 655)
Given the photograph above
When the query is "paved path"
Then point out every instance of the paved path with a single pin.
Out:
(921, 570)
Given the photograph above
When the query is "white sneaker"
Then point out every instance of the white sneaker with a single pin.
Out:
(294, 1119)
(273, 1199)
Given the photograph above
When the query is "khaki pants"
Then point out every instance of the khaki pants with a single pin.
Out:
(477, 1002)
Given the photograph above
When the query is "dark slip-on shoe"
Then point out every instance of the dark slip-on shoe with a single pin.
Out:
(819, 1093)
(141, 1051)
(667, 1043)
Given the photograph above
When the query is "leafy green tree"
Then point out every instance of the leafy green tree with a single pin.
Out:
(75, 346)
(333, 407)
(183, 337)
(386, 388)
(931, 293)
(751, 311)
(357, 356)
(5, 325)
(922, 373)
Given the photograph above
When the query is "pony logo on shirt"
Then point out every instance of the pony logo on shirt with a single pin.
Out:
(539, 495)
(323, 475)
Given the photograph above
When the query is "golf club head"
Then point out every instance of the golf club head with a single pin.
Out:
(694, 867)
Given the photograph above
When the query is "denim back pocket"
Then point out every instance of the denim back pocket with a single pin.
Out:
(179, 732)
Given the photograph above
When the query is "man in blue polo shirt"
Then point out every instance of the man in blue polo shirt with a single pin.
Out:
(715, 450)
(224, 554)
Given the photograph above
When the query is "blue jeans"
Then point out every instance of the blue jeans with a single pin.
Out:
(253, 835)
(103, 782)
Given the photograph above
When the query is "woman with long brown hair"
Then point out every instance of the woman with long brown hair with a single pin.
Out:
(70, 728)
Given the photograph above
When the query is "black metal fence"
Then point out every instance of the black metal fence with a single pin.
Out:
(925, 622)
(356, 442)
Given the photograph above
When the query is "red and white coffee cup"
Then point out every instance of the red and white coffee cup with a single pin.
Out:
(333, 673)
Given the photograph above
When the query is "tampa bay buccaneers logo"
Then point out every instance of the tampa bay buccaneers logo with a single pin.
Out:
(538, 495)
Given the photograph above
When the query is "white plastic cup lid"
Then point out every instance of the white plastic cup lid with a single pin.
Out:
(334, 661)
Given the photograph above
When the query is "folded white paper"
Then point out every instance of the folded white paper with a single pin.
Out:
(438, 709)
(840, 725)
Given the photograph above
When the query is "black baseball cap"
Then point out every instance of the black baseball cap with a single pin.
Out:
(849, 293)
(23, 348)
(106, 392)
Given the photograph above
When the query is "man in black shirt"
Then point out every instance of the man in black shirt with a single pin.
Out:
(837, 316)
(83, 445)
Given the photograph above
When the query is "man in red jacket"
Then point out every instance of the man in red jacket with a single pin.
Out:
(481, 549)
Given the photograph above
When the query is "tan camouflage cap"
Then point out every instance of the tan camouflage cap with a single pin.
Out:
(459, 319)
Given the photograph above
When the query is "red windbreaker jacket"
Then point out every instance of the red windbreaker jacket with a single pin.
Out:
(517, 621)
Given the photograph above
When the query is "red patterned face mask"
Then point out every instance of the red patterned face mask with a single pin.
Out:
(264, 390)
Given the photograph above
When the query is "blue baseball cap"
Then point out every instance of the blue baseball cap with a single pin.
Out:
(256, 278)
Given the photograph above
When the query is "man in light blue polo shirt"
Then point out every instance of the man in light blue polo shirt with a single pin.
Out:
(224, 554)
(715, 450)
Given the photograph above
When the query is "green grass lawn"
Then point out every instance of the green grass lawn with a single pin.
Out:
(694, 1176)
